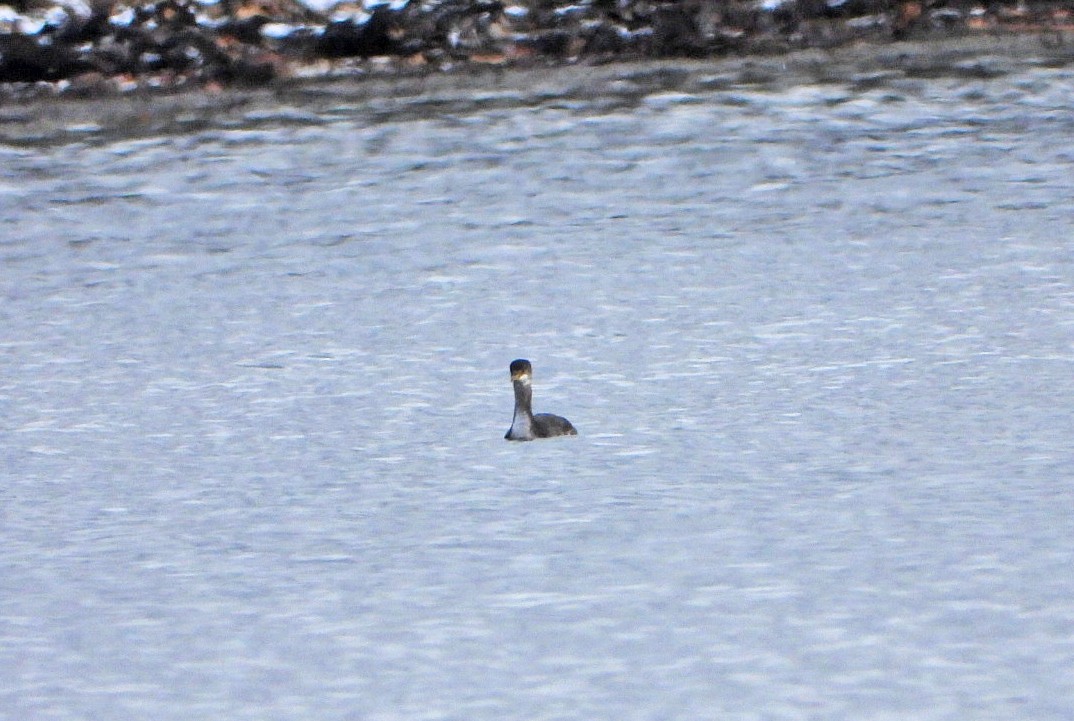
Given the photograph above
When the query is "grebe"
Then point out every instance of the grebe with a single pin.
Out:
(525, 426)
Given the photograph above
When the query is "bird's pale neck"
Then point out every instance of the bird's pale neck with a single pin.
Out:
(523, 397)
(522, 422)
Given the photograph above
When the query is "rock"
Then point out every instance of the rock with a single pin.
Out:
(25, 59)
(345, 38)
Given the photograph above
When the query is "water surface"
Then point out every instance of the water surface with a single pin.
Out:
(818, 344)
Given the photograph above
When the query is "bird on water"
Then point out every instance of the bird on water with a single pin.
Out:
(526, 426)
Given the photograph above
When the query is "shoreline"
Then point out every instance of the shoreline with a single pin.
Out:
(370, 96)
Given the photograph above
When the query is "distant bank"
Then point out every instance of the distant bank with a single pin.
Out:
(94, 47)
(40, 113)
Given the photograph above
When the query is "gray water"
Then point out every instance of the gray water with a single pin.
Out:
(818, 344)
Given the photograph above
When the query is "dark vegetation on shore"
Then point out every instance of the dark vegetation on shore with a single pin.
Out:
(80, 48)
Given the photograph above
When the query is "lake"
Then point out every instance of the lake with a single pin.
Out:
(817, 340)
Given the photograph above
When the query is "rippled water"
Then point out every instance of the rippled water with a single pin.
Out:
(818, 344)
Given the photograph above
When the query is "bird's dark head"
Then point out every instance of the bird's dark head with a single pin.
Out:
(521, 370)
